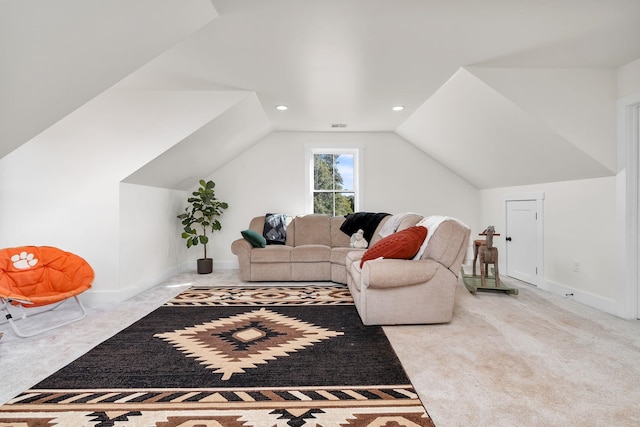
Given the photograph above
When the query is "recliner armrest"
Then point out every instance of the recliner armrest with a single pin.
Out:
(241, 246)
(395, 273)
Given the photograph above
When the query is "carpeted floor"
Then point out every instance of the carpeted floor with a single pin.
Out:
(249, 357)
(527, 360)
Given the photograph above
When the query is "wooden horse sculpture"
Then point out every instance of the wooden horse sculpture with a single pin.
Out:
(488, 255)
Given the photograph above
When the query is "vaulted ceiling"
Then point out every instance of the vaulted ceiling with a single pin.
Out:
(526, 85)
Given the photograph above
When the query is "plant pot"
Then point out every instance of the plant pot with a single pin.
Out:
(205, 265)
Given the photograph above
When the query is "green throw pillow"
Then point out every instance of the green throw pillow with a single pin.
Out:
(256, 239)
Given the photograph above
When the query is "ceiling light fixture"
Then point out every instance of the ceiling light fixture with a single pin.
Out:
(398, 108)
(282, 107)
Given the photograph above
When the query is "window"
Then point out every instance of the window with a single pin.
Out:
(334, 180)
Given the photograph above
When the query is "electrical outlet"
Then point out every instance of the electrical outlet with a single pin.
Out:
(577, 267)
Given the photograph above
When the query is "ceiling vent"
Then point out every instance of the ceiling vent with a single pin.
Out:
(338, 125)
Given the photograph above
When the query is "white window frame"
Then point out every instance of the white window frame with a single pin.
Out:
(313, 149)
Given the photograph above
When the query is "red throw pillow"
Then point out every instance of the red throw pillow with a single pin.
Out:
(404, 244)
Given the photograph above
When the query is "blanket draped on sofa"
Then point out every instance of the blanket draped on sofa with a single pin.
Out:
(365, 221)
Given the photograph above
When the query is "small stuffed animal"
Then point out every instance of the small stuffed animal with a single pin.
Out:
(358, 240)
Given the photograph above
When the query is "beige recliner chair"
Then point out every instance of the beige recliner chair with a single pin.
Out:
(416, 291)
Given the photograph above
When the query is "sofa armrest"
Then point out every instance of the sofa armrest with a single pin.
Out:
(356, 254)
(395, 273)
(241, 247)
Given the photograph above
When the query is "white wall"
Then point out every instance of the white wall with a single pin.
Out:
(62, 188)
(270, 177)
(629, 79)
(151, 249)
(579, 225)
(54, 191)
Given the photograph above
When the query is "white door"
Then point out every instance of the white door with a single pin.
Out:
(521, 240)
(636, 142)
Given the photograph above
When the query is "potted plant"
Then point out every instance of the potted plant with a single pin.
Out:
(201, 216)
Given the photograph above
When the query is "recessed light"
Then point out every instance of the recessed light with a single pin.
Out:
(282, 107)
(398, 108)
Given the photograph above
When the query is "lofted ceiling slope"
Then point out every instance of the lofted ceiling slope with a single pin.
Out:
(483, 82)
(58, 55)
(490, 141)
(577, 103)
(219, 141)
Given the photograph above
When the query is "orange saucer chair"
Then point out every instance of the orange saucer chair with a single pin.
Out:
(39, 276)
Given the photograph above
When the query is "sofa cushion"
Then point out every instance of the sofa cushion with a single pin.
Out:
(399, 222)
(272, 253)
(448, 244)
(433, 223)
(256, 239)
(257, 224)
(376, 235)
(409, 220)
(338, 238)
(311, 253)
(401, 245)
(313, 229)
(339, 255)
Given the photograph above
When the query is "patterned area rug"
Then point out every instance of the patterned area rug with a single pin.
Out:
(246, 357)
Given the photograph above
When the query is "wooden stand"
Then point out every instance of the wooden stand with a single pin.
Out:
(473, 284)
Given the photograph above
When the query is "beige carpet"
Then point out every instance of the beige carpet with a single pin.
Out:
(528, 360)
(534, 359)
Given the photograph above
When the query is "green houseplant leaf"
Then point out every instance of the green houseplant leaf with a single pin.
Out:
(199, 216)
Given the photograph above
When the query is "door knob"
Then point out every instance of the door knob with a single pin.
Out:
(508, 239)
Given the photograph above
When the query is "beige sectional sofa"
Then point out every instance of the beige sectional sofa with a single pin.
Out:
(315, 250)
(398, 291)
(385, 291)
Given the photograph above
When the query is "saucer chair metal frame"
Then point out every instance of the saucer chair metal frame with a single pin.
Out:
(41, 276)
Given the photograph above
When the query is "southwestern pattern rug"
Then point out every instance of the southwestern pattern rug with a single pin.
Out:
(232, 357)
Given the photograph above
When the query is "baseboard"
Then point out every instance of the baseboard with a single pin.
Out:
(595, 301)
(226, 265)
(217, 265)
(96, 296)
